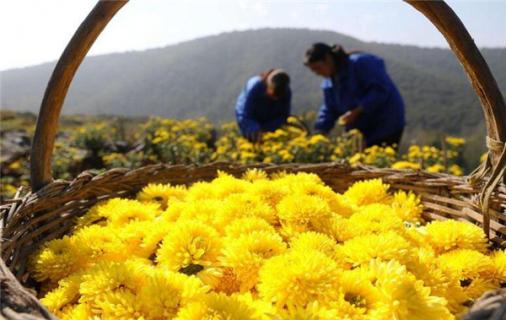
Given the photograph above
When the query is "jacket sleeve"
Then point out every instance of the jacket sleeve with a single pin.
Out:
(374, 80)
(244, 112)
(286, 105)
(326, 119)
(327, 115)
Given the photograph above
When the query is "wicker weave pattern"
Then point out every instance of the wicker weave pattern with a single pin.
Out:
(49, 213)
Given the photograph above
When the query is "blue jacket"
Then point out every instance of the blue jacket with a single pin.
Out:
(363, 81)
(255, 111)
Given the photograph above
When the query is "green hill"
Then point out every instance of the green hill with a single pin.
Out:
(203, 77)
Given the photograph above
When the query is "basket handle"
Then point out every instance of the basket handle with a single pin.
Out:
(437, 11)
(59, 83)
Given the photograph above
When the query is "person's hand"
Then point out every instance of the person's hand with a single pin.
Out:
(349, 117)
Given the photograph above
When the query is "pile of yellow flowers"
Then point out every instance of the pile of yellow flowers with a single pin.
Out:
(283, 246)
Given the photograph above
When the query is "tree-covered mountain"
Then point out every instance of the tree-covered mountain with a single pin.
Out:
(203, 78)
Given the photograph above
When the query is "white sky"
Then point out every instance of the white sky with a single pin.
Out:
(36, 31)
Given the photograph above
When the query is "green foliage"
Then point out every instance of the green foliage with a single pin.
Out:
(94, 138)
(92, 143)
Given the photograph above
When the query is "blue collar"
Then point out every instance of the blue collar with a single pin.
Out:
(345, 72)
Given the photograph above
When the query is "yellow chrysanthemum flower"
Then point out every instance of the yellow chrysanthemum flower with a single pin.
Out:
(210, 276)
(406, 297)
(217, 307)
(298, 278)
(297, 178)
(343, 206)
(313, 311)
(311, 240)
(121, 304)
(378, 269)
(107, 278)
(136, 239)
(417, 236)
(449, 235)
(200, 191)
(436, 168)
(406, 165)
(499, 260)
(385, 246)
(161, 194)
(91, 217)
(373, 219)
(56, 260)
(407, 206)
(442, 283)
(189, 247)
(100, 243)
(65, 295)
(224, 186)
(119, 211)
(299, 213)
(338, 229)
(152, 240)
(255, 175)
(208, 211)
(247, 225)
(359, 299)
(456, 170)
(368, 192)
(473, 269)
(271, 192)
(336, 202)
(226, 282)
(246, 255)
(263, 309)
(248, 205)
(79, 311)
(455, 141)
(140, 267)
(165, 293)
(410, 300)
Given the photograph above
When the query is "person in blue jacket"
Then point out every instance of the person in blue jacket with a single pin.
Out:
(264, 104)
(359, 93)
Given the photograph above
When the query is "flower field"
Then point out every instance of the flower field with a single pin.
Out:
(102, 143)
(265, 247)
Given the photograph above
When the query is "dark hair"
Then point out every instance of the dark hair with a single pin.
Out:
(319, 51)
(280, 81)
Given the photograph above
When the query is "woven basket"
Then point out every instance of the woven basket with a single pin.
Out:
(48, 211)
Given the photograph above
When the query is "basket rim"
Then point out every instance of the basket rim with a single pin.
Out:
(58, 187)
(90, 184)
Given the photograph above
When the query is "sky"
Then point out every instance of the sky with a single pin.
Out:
(36, 31)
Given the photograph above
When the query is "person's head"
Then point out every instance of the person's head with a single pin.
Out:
(277, 82)
(324, 60)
